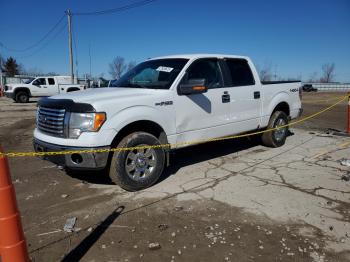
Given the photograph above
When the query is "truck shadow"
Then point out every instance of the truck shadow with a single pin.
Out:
(180, 158)
(204, 152)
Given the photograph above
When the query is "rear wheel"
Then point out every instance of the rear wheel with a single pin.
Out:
(276, 138)
(22, 97)
(139, 168)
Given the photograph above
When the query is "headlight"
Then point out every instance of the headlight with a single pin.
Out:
(85, 122)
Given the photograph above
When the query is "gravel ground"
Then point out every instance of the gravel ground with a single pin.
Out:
(228, 201)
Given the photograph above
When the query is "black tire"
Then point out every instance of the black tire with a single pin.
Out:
(275, 138)
(118, 169)
(22, 97)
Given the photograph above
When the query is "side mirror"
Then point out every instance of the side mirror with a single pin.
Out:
(193, 86)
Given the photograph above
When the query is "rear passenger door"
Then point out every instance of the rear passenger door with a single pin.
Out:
(52, 87)
(245, 105)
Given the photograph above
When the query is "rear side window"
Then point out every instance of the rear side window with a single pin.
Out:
(51, 81)
(240, 72)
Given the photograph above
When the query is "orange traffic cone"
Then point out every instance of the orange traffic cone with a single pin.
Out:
(12, 243)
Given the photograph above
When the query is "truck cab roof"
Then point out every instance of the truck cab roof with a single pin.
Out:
(196, 56)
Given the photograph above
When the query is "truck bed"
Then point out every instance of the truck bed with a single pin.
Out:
(279, 82)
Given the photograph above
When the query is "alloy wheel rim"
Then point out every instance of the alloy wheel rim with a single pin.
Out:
(140, 163)
(279, 133)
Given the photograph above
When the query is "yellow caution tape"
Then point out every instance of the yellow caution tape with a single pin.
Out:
(26, 154)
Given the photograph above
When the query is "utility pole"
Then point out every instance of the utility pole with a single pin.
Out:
(69, 16)
(90, 58)
(1, 84)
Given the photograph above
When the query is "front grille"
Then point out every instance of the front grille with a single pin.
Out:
(51, 121)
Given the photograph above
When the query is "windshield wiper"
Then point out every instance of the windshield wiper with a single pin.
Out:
(136, 85)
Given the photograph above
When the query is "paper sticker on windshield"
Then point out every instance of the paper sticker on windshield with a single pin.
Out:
(165, 69)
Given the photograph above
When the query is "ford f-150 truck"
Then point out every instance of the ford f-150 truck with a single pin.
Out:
(40, 87)
(171, 101)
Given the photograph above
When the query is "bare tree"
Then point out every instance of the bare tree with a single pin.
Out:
(265, 72)
(313, 78)
(2, 60)
(327, 73)
(33, 72)
(117, 67)
(131, 65)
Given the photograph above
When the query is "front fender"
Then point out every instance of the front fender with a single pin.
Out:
(165, 117)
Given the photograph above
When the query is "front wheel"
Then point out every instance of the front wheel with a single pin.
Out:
(277, 137)
(22, 97)
(137, 168)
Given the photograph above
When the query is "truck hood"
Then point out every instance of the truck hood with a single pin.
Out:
(96, 94)
(99, 98)
(19, 85)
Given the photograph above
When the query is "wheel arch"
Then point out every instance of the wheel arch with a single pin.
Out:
(282, 106)
(72, 89)
(147, 126)
(22, 89)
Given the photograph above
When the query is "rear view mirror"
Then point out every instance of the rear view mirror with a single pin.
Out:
(193, 86)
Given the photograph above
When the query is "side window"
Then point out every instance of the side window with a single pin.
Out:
(241, 75)
(51, 81)
(40, 81)
(207, 69)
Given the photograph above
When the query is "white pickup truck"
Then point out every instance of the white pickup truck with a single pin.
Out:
(40, 87)
(171, 101)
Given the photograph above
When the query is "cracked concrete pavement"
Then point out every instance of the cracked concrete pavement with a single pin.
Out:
(293, 183)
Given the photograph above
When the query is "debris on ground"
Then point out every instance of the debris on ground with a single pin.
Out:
(64, 195)
(49, 233)
(346, 177)
(345, 162)
(154, 246)
(163, 227)
(69, 226)
(179, 208)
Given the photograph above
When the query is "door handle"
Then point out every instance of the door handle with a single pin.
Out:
(226, 98)
(256, 95)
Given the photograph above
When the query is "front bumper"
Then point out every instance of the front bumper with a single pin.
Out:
(10, 95)
(74, 161)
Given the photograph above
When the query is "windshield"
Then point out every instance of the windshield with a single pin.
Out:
(29, 81)
(153, 74)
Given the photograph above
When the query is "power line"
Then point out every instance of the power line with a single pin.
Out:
(117, 9)
(47, 43)
(35, 44)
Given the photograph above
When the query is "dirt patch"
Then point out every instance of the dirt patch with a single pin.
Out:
(335, 118)
(192, 231)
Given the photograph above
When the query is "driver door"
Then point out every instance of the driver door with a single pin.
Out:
(206, 115)
(39, 87)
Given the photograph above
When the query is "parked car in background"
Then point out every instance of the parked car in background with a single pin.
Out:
(41, 87)
(172, 101)
(309, 88)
